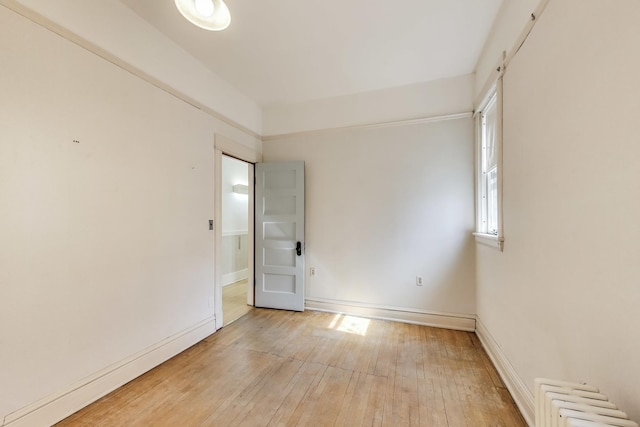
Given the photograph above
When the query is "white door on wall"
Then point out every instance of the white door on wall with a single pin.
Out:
(279, 240)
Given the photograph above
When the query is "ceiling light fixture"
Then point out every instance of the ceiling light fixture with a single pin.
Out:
(205, 7)
(212, 15)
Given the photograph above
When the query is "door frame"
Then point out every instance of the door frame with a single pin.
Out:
(229, 147)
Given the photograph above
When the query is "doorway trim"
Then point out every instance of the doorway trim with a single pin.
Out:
(229, 147)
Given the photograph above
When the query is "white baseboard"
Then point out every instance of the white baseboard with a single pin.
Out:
(233, 277)
(462, 322)
(518, 389)
(56, 407)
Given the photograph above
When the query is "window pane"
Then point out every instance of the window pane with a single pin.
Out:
(492, 201)
(491, 125)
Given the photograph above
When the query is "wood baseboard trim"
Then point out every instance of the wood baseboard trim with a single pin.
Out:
(58, 406)
(236, 276)
(461, 322)
(518, 389)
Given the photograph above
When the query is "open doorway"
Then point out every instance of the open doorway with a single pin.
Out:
(236, 244)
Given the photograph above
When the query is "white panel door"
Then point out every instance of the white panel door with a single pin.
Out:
(279, 242)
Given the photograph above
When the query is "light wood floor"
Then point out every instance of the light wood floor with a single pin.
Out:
(234, 301)
(279, 368)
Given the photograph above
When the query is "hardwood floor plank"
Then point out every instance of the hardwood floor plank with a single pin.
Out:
(207, 396)
(279, 368)
(404, 407)
(410, 352)
(290, 411)
(374, 411)
(355, 400)
(236, 407)
(387, 353)
(319, 406)
(234, 301)
(432, 410)
(264, 405)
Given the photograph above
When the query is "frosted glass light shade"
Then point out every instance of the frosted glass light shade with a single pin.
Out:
(204, 7)
(218, 19)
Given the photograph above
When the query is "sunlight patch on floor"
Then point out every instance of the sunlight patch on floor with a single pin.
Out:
(350, 324)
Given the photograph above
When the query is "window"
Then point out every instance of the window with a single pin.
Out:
(489, 156)
(489, 169)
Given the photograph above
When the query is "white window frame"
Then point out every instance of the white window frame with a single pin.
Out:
(483, 235)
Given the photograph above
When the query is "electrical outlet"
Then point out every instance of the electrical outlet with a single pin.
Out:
(312, 271)
(418, 280)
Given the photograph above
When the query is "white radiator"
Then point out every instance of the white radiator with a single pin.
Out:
(565, 404)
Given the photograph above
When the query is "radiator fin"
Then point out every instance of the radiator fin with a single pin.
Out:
(567, 404)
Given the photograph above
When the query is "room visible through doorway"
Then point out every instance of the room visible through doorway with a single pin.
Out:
(235, 238)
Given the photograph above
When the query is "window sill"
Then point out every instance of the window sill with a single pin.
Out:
(491, 240)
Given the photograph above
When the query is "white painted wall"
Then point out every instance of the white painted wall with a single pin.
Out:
(141, 45)
(562, 300)
(105, 247)
(384, 205)
(435, 98)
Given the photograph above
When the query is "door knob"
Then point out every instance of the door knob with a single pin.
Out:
(299, 248)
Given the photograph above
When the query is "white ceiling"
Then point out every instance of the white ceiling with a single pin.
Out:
(288, 51)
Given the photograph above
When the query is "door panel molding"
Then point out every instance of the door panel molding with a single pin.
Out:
(279, 225)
